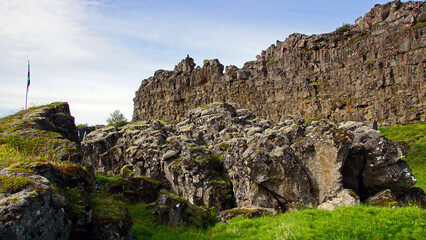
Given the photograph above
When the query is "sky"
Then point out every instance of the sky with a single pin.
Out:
(94, 54)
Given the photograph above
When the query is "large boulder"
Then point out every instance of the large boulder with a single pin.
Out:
(177, 211)
(35, 211)
(374, 163)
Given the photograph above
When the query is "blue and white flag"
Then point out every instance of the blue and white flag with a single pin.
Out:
(28, 79)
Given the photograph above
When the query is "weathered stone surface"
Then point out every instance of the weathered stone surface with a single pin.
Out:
(219, 156)
(346, 197)
(375, 70)
(111, 221)
(384, 198)
(54, 118)
(378, 161)
(45, 191)
(35, 212)
(413, 197)
(226, 215)
(177, 211)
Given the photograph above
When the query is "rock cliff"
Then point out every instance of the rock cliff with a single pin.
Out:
(222, 157)
(45, 192)
(374, 69)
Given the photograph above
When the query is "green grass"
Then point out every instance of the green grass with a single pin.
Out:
(107, 210)
(13, 184)
(75, 201)
(415, 136)
(345, 27)
(359, 222)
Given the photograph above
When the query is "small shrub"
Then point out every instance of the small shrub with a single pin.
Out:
(117, 119)
(344, 28)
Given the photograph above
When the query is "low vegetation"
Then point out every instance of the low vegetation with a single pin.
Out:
(13, 184)
(359, 222)
(117, 119)
(344, 28)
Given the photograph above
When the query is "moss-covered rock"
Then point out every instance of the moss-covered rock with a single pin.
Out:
(177, 211)
(384, 198)
(45, 190)
(248, 212)
(111, 219)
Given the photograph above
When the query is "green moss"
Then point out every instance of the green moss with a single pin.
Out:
(13, 184)
(127, 172)
(359, 38)
(152, 180)
(346, 27)
(342, 135)
(317, 118)
(22, 119)
(224, 146)
(246, 213)
(108, 210)
(177, 197)
(75, 201)
(102, 178)
(271, 62)
(419, 25)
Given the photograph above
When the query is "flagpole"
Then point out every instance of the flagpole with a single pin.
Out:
(28, 84)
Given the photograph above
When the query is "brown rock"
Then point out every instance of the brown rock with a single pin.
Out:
(375, 70)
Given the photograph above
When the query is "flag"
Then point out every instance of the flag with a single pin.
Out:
(28, 79)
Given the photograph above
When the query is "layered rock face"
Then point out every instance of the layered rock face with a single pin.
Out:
(45, 193)
(373, 70)
(224, 157)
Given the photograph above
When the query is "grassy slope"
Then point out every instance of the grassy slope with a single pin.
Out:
(415, 136)
(359, 222)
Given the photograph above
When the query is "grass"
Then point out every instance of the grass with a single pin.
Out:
(13, 184)
(20, 143)
(359, 222)
(108, 210)
(344, 28)
(415, 136)
(75, 201)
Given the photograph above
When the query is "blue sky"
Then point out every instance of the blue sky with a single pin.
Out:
(94, 54)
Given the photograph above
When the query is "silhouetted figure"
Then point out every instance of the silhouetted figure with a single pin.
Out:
(375, 125)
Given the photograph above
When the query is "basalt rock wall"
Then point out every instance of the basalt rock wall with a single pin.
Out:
(375, 69)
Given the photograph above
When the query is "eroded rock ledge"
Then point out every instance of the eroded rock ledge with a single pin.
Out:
(374, 70)
(224, 157)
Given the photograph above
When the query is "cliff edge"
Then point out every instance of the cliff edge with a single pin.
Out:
(374, 69)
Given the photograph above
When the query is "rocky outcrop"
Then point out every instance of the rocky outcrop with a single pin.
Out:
(372, 70)
(45, 192)
(224, 157)
(34, 212)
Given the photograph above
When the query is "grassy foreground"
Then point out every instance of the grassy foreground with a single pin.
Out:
(415, 136)
(359, 222)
